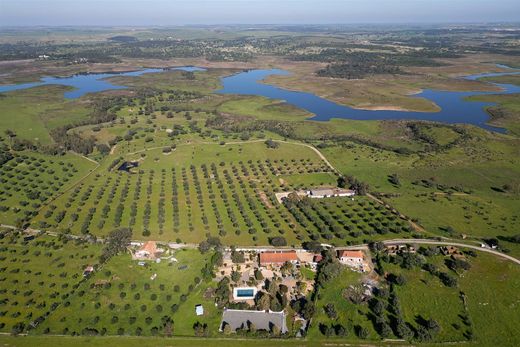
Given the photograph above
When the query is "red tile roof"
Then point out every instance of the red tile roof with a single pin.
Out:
(350, 254)
(150, 247)
(277, 257)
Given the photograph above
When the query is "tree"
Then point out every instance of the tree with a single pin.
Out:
(313, 246)
(278, 241)
(394, 179)
(227, 328)
(340, 330)
(271, 144)
(204, 246)
(377, 306)
(275, 330)
(384, 330)
(458, 264)
(286, 268)
(403, 330)
(18, 328)
(200, 329)
(376, 246)
(237, 257)
(328, 270)
(235, 276)
(342, 182)
(326, 330)
(103, 148)
(433, 326)
(400, 280)
(353, 183)
(116, 242)
(361, 332)
(258, 275)
(330, 311)
(263, 301)
(447, 279)
(308, 310)
(10, 135)
(167, 322)
(251, 327)
(423, 334)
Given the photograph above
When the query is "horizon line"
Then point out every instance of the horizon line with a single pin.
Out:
(256, 24)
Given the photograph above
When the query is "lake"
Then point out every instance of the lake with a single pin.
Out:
(454, 109)
(89, 82)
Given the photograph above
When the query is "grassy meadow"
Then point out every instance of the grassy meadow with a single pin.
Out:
(124, 298)
(38, 276)
(33, 112)
(480, 310)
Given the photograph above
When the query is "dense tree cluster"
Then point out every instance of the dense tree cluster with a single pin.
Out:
(116, 242)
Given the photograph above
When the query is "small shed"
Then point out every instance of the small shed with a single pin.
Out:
(88, 270)
(199, 310)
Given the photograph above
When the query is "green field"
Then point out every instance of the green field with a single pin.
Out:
(39, 276)
(123, 299)
(491, 308)
(218, 194)
(208, 166)
(263, 108)
(31, 180)
(348, 220)
(33, 112)
(460, 187)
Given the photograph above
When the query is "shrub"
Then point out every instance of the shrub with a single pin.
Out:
(278, 241)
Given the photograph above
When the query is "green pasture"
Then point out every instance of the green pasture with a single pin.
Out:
(39, 276)
(30, 180)
(33, 112)
(137, 296)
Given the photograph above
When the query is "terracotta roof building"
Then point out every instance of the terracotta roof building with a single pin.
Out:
(277, 258)
(350, 254)
(351, 258)
(147, 251)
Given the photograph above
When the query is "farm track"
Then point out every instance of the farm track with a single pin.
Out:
(353, 247)
(73, 185)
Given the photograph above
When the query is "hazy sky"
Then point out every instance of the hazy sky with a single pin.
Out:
(176, 12)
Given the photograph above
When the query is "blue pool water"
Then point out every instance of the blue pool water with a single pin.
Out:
(88, 83)
(454, 109)
(244, 292)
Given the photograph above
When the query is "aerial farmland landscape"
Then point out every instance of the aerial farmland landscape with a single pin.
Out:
(259, 173)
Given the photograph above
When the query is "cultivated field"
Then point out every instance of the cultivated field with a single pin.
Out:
(123, 298)
(38, 276)
(31, 179)
(228, 191)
